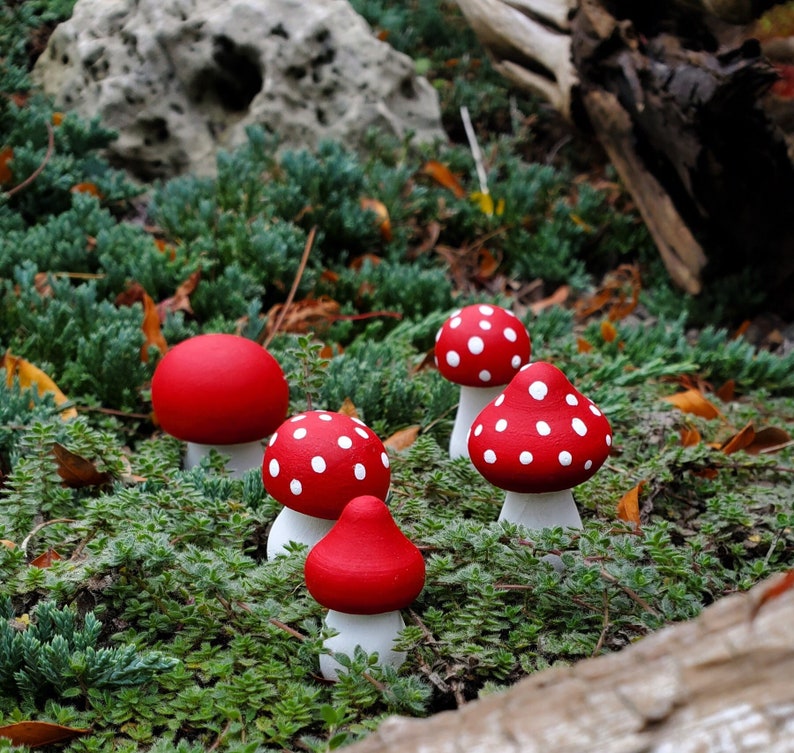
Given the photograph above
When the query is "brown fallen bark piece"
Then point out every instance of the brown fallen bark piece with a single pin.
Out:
(721, 683)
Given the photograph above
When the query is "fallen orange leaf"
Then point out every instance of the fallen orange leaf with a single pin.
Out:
(402, 439)
(582, 346)
(180, 300)
(382, 215)
(768, 439)
(692, 401)
(57, 118)
(739, 441)
(348, 408)
(29, 375)
(785, 583)
(45, 559)
(8, 544)
(690, 437)
(727, 392)
(151, 329)
(164, 247)
(76, 471)
(557, 298)
(36, 734)
(6, 174)
(442, 175)
(487, 264)
(608, 331)
(629, 505)
(87, 187)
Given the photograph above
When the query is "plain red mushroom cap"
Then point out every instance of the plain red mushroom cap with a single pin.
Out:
(365, 564)
(317, 461)
(481, 345)
(539, 434)
(219, 389)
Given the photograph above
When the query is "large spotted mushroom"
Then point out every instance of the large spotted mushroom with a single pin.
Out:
(314, 464)
(480, 347)
(364, 571)
(539, 438)
(222, 392)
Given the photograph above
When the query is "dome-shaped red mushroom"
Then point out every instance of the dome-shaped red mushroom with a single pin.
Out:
(221, 391)
(480, 347)
(536, 440)
(364, 571)
(314, 464)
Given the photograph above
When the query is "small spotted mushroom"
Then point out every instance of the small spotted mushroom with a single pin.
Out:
(537, 440)
(480, 347)
(314, 464)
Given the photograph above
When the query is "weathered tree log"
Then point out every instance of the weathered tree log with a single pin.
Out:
(721, 683)
(674, 98)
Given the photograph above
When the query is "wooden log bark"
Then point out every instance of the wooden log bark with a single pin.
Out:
(674, 97)
(721, 683)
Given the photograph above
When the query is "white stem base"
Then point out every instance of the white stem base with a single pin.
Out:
(537, 511)
(242, 457)
(291, 525)
(373, 632)
(472, 401)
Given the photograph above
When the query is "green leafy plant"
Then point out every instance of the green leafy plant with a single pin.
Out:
(52, 656)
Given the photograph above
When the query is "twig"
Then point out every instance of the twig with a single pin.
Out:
(35, 174)
(291, 296)
(475, 149)
(287, 629)
(604, 625)
(633, 595)
(221, 735)
(26, 540)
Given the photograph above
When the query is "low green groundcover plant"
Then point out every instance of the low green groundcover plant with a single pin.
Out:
(155, 618)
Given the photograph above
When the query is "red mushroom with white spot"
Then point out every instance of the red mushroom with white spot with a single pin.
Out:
(314, 464)
(480, 347)
(537, 440)
(221, 392)
(364, 571)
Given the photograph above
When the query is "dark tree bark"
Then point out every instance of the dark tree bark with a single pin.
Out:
(674, 95)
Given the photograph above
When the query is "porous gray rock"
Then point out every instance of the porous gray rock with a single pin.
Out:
(181, 79)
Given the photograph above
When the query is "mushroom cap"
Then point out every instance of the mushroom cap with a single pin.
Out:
(219, 389)
(540, 434)
(365, 564)
(481, 346)
(317, 461)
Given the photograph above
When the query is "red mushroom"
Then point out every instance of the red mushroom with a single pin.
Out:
(223, 392)
(364, 571)
(537, 440)
(481, 348)
(314, 464)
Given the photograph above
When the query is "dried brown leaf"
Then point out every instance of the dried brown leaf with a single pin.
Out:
(402, 439)
(76, 471)
(36, 734)
(693, 401)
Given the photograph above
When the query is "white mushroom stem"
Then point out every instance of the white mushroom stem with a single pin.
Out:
(291, 525)
(374, 633)
(472, 401)
(536, 511)
(242, 457)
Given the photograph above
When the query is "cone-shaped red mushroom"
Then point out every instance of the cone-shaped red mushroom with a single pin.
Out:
(364, 571)
(537, 440)
(481, 348)
(314, 464)
(223, 392)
